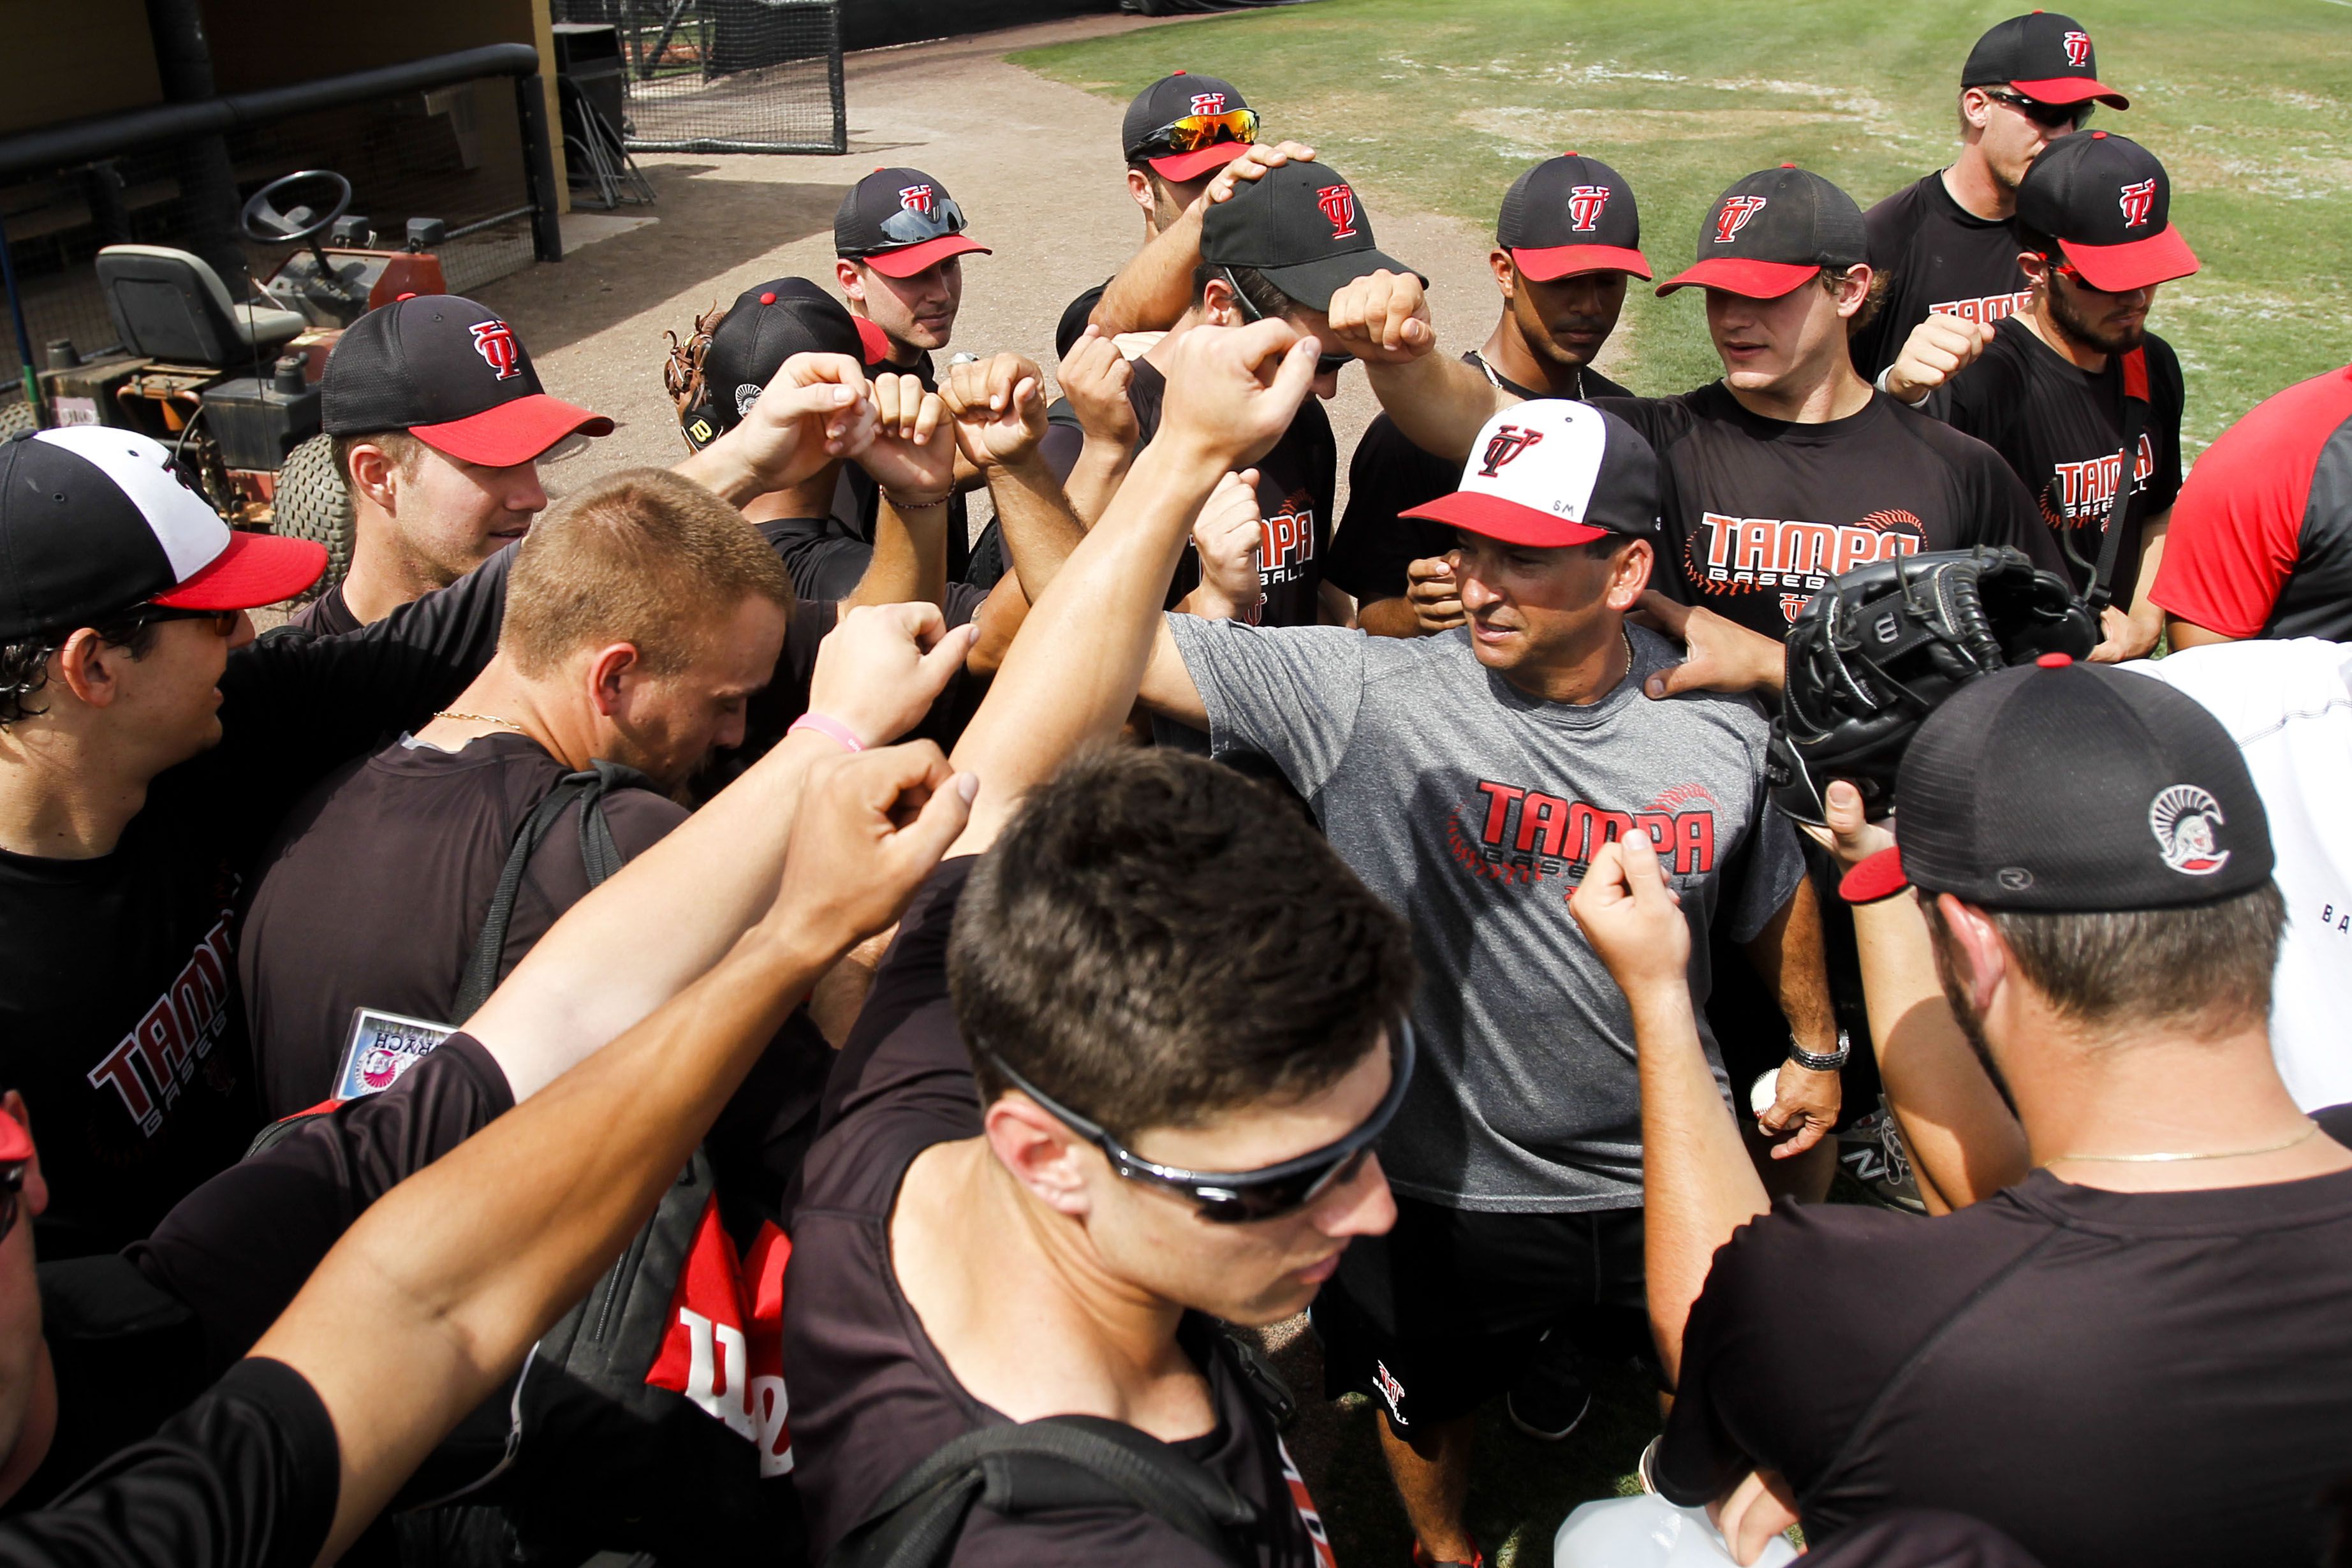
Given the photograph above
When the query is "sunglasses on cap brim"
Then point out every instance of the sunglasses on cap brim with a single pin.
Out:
(909, 225)
(2048, 116)
(1195, 131)
(1325, 364)
(1237, 1198)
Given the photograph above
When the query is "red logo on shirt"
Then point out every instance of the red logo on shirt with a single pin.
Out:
(1525, 835)
(1338, 205)
(2078, 50)
(1733, 215)
(2137, 200)
(1745, 555)
(1584, 206)
(151, 1065)
(725, 1348)
(1505, 447)
(1208, 104)
(1289, 540)
(494, 342)
(2080, 493)
(1990, 307)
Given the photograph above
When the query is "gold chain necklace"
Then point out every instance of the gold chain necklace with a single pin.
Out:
(2309, 1130)
(478, 718)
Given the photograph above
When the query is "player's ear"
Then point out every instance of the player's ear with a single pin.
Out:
(1629, 575)
(1506, 271)
(1139, 191)
(2035, 265)
(1854, 288)
(852, 281)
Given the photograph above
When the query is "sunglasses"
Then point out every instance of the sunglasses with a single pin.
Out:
(1325, 364)
(2048, 116)
(910, 226)
(1195, 131)
(12, 1190)
(1238, 1197)
(224, 621)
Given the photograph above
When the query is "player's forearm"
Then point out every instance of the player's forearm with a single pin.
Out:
(1437, 402)
(1040, 530)
(1788, 957)
(1389, 617)
(1697, 1184)
(433, 1297)
(2146, 614)
(1963, 1141)
(1095, 478)
(910, 565)
(670, 913)
(1155, 286)
(2188, 634)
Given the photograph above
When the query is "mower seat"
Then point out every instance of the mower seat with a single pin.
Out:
(170, 305)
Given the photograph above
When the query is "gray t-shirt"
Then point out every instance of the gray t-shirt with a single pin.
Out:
(1472, 808)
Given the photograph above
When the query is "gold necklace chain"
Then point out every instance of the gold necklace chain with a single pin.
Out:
(478, 718)
(2310, 1130)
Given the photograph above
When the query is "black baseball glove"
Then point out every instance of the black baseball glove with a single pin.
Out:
(1876, 651)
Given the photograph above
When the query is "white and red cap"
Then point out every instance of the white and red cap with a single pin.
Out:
(451, 373)
(96, 522)
(1550, 473)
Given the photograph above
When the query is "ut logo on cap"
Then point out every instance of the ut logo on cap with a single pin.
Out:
(1505, 447)
(2078, 48)
(916, 199)
(1584, 206)
(1208, 104)
(494, 342)
(1338, 205)
(2135, 200)
(1733, 215)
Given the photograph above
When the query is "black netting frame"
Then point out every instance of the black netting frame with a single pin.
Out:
(725, 75)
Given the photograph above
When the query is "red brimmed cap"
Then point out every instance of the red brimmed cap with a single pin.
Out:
(898, 222)
(453, 373)
(2045, 56)
(1571, 215)
(1173, 97)
(2108, 203)
(253, 570)
(908, 260)
(1551, 472)
(1774, 230)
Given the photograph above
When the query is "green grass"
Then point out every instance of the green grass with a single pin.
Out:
(1438, 103)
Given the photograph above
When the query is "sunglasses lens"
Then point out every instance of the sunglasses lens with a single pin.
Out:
(1195, 131)
(909, 227)
(1230, 1206)
(1332, 364)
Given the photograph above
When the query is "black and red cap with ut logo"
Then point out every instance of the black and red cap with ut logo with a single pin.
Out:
(1302, 226)
(1187, 126)
(1570, 214)
(767, 325)
(2068, 787)
(899, 222)
(2108, 203)
(1773, 231)
(2042, 55)
(451, 373)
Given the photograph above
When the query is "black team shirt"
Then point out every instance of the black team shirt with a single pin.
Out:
(119, 1018)
(1295, 486)
(1389, 475)
(1760, 512)
(1941, 259)
(2061, 429)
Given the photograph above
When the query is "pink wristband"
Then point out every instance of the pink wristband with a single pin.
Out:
(833, 729)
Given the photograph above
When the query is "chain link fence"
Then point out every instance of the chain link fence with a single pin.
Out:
(710, 75)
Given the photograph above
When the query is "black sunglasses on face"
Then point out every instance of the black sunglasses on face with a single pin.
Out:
(1325, 364)
(2048, 116)
(12, 1188)
(224, 622)
(1237, 1197)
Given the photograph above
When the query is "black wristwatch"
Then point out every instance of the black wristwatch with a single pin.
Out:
(1819, 1063)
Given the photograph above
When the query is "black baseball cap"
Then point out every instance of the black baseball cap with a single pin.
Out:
(1549, 473)
(900, 221)
(451, 373)
(2044, 56)
(1570, 214)
(1177, 98)
(768, 324)
(2065, 787)
(2108, 203)
(97, 522)
(1302, 226)
(1773, 231)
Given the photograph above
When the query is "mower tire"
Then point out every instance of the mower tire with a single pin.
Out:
(311, 504)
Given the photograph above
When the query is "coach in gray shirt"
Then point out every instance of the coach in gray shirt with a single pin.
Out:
(1468, 778)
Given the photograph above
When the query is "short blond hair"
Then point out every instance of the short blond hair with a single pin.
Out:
(645, 557)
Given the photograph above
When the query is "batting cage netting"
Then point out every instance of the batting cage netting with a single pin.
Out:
(711, 76)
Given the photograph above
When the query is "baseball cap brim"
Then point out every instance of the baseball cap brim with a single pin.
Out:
(1738, 274)
(907, 260)
(255, 569)
(2072, 89)
(1183, 166)
(1497, 518)
(1312, 283)
(511, 432)
(2140, 264)
(1568, 260)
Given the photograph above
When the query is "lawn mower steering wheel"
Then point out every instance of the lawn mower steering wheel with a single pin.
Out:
(300, 224)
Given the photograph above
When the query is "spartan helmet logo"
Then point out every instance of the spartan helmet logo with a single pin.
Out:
(1338, 205)
(1208, 104)
(2137, 200)
(1505, 447)
(1733, 215)
(2078, 50)
(916, 199)
(2183, 818)
(494, 342)
(1584, 206)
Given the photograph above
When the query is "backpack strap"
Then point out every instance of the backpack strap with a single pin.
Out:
(599, 856)
(1037, 1467)
(2112, 538)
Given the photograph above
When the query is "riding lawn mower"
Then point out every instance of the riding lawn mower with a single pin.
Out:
(232, 386)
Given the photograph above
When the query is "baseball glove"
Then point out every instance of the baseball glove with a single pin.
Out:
(1876, 651)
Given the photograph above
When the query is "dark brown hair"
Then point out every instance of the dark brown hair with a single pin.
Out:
(1157, 939)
